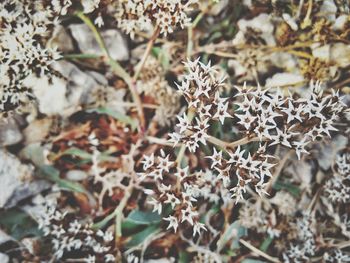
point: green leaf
(214, 36)
(156, 51)
(143, 218)
(77, 152)
(116, 115)
(81, 56)
(216, 130)
(266, 243)
(249, 260)
(18, 224)
(184, 257)
(294, 190)
(130, 227)
(142, 236)
(230, 253)
(162, 56)
(34, 153)
(236, 231)
(104, 222)
(52, 174)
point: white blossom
(173, 223)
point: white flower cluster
(336, 256)
(260, 114)
(140, 15)
(307, 247)
(288, 121)
(201, 89)
(244, 168)
(177, 188)
(338, 187)
(269, 117)
(68, 235)
(90, 5)
(24, 27)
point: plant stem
(94, 30)
(159, 141)
(150, 44)
(190, 34)
(190, 115)
(117, 69)
(278, 170)
(81, 56)
(119, 210)
(230, 145)
(307, 22)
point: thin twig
(150, 44)
(216, 257)
(313, 202)
(307, 21)
(342, 245)
(258, 251)
(160, 141)
(133, 104)
(300, 54)
(154, 236)
(300, 8)
(244, 140)
(231, 145)
(117, 210)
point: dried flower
(137, 15)
(153, 83)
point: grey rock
(115, 42)
(27, 190)
(4, 258)
(9, 133)
(13, 175)
(4, 238)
